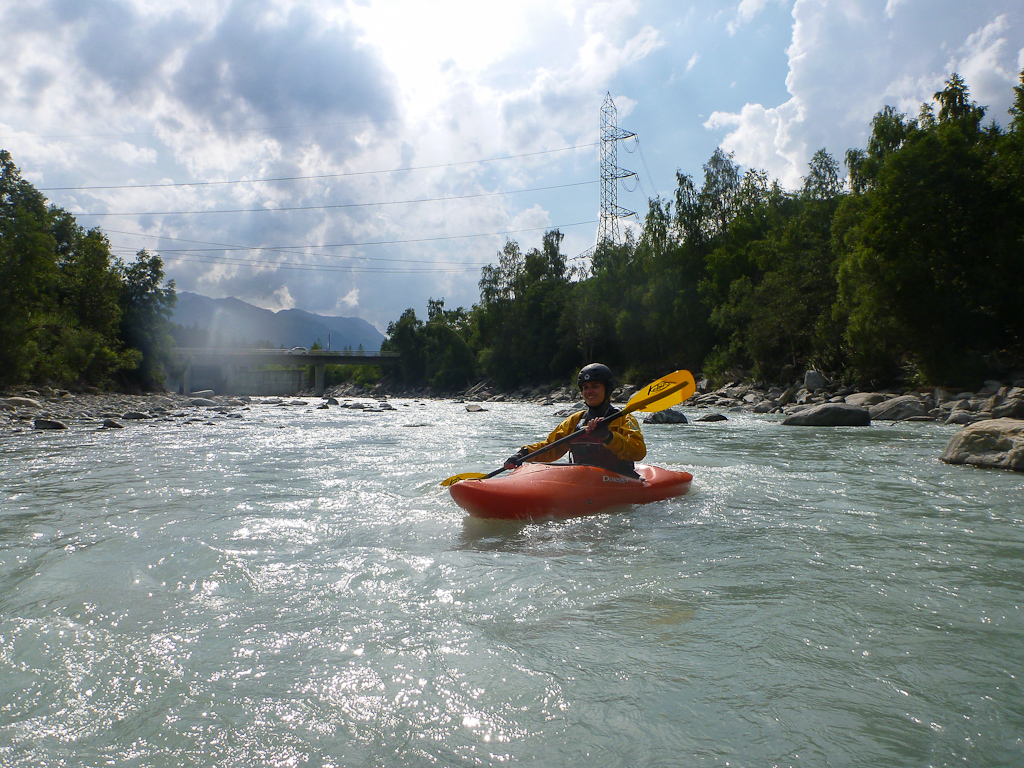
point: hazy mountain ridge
(232, 321)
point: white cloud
(127, 91)
(982, 62)
(745, 13)
(132, 154)
(349, 301)
(849, 59)
(281, 299)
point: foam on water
(296, 589)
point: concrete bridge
(237, 366)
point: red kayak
(565, 490)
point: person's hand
(515, 459)
(599, 430)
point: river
(294, 588)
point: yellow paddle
(657, 396)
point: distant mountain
(227, 322)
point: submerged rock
(995, 443)
(830, 415)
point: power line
(325, 267)
(186, 252)
(263, 129)
(340, 205)
(314, 177)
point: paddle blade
(661, 394)
(464, 476)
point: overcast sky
(357, 158)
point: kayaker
(615, 446)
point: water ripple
(296, 589)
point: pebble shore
(28, 409)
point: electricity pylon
(611, 135)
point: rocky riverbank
(814, 402)
(993, 414)
(992, 400)
(44, 408)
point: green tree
(28, 275)
(405, 337)
(929, 250)
(146, 307)
(89, 291)
(522, 303)
(771, 284)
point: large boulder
(49, 424)
(814, 380)
(996, 443)
(22, 402)
(712, 417)
(899, 408)
(964, 417)
(668, 416)
(830, 415)
(865, 399)
(1007, 408)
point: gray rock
(814, 380)
(995, 443)
(135, 416)
(865, 399)
(899, 408)
(712, 417)
(788, 396)
(668, 416)
(990, 388)
(1009, 409)
(958, 405)
(964, 417)
(202, 393)
(49, 424)
(474, 408)
(112, 424)
(830, 415)
(23, 402)
(202, 402)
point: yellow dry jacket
(626, 444)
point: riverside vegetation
(905, 276)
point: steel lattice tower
(608, 227)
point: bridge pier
(318, 378)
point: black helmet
(596, 372)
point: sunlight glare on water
(295, 588)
